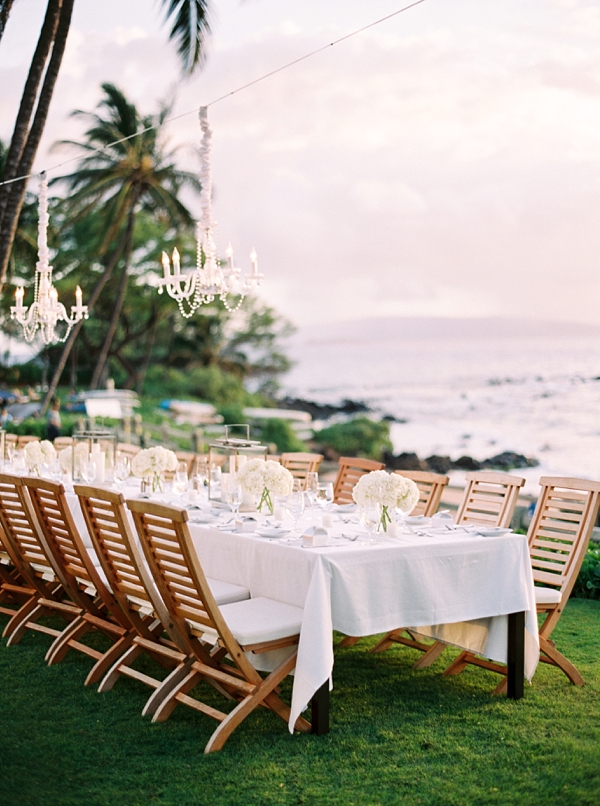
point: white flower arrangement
(65, 457)
(265, 478)
(37, 454)
(152, 463)
(386, 490)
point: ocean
(465, 387)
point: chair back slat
(22, 533)
(431, 486)
(180, 580)
(560, 530)
(349, 471)
(113, 539)
(73, 564)
(490, 498)
(301, 464)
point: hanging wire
(227, 94)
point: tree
(122, 179)
(189, 27)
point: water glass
(122, 469)
(370, 518)
(88, 470)
(312, 481)
(295, 506)
(180, 480)
(235, 495)
(324, 494)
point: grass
(398, 737)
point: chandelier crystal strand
(46, 311)
(210, 279)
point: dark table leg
(320, 710)
(516, 655)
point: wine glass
(235, 495)
(122, 469)
(312, 481)
(295, 506)
(324, 495)
(370, 517)
(180, 479)
(88, 470)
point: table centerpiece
(265, 479)
(151, 464)
(388, 491)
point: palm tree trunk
(112, 328)
(76, 328)
(14, 201)
(5, 6)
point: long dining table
(460, 587)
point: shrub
(587, 585)
(358, 437)
(280, 433)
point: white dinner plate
(493, 531)
(201, 517)
(345, 507)
(418, 520)
(272, 531)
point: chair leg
(235, 717)
(62, 644)
(114, 673)
(556, 658)
(385, 643)
(459, 665)
(169, 701)
(22, 615)
(166, 687)
(430, 655)
(348, 640)
(107, 660)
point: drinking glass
(180, 480)
(324, 495)
(88, 470)
(370, 517)
(235, 495)
(56, 471)
(312, 481)
(295, 506)
(122, 469)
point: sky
(443, 163)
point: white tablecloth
(463, 584)
(363, 590)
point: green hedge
(587, 585)
(358, 437)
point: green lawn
(397, 736)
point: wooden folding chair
(125, 570)
(81, 580)
(62, 442)
(10, 441)
(252, 626)
(127, 449)
(431, 486)
(349, 472)
(558, 538)
(23, 440)
(490, 499)
(28, 555)
(189, 457)
(301, 464)
(13, 587)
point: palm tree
(122, 180)
(189, 28)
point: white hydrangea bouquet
(387, 490)
(152, 464)
(265, 479)
(37, 454)
(65, 457)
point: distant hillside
(403, 328)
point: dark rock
(389, 418)
(323, 411)
(404, 461)
(509, 460)
(467, 463)
(438, 464)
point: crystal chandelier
(46, 311)
(209, 279)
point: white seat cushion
(257, 620)
(547, 595)
(227, 592)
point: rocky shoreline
(507, 460)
